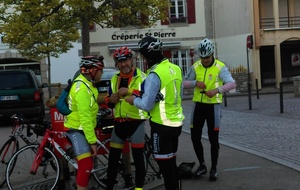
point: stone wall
(241, 80)
(296, 86)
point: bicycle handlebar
(103, 112)
(39, 127)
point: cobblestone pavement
(263, 130)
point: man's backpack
(61, 103)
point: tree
(33, 30)
(45, 28)
(68, 13)
(116, 13)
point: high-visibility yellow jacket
(210, 76)
(82, 100)
(123, 109)
(168, 111)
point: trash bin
(296, 82)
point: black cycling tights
(165, 145)
(169, 171)
(114, 157)
(205, 113)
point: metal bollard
(281, 97)
(225, 99)
(249, 95)
(257, 93)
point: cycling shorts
(79, 142)
(133, 131)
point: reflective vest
(168, 111)
(83, 103)
(123, 109)
(210, 76)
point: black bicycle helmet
(151, 49)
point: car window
(15, 81)
(108, 74)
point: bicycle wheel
(100, 173)
(18, 174)
(7, 150)
(100, 167)
(149, 156)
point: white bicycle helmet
(88, 63)
(205, 48)
(91, 61)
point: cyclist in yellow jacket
(82, 101)
(210, 78)
(162, 99)
(129, 120)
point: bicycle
(148, 148)
(29, 166)
(12, 144)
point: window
(16, 81)
(178, 57)
(181, 11)
(182, 59)
(137, 20)
(177, 11)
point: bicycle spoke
(149, 156)
(6, 152)
(18, 173)
(100, 174)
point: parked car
(108, 73)
(21, 93)
(103, 86)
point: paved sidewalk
(259, 147)
(238, 170)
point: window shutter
(92, 26)
(167, 53)
(115, 20)
(144, 19)
(191, 11)
(165, 22)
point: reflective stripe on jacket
(168, 111)
(83, 103)
(210, 76)
(123, 109)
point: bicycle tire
(100, 174)
(145, 157)
(18, 174)
(100, 166)
(6, 152)
(149, 156)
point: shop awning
(134, 46)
